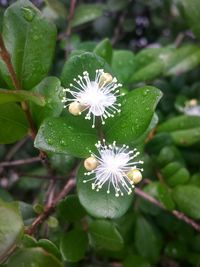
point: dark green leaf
(104, 50)
(104, 235)
(66, 135)
(33, 257)
(49, 247)
(184, 130)
(85, 13)
(76, 65)
(187, 198)
(20, 95)
(14, 123)
(70, 209)
(11, 227)
(147, 240)
(136, 260)
(73, 245)
(137, 110)
(123, 64)
(51, 89)
(23, 32)
(100, 204)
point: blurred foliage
(153, 48)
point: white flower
(191, 108)
(98, 96)
(113, 168)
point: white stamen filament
(114, 164)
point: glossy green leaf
(11, 227)
(70, 209)
(14, 123)
(51, 89)
(23, 32)
(104, 235)
(76, 65)
(123, 64)
(187, 198)
(184, 130)
(137, 109)
(66, 135)
(104, 50)
(147, 239)
(85, 13)
(73, 245)
(100, 204)
(7, 96)
(191, 10)
(33, 257)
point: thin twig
(50, 209)
(67, 32)
(176, 213)
(19, 162)
(15, 148)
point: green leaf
(191, 10)
(76, 65)
(31, 53)
(164, 196)
(104, 50)
(137, 109)
(14, 123)
(66, 135)
(49, 247)
(51, 89)
(70, 209)
(100, 204)
(123, 64)
(33, 257)
(175, 174)
(7, 96)
(11, 227)
(150, 63)
(183, 59)
(147, 239)
(73, 245)
(184, 130)
(136, 260)
(187, 198)
(104, 235)
(85, 13)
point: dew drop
(28, 13)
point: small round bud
(105, 79)
(192, 103)
(135, 176)
(76, 108)
(91, 163)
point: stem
(181, 216)
(51, 208)
(7, 60)
(100, 130)
(19, 162)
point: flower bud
(91, 163)
(135, 176)
(76, 108)
(105, 79)
(192, 103)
